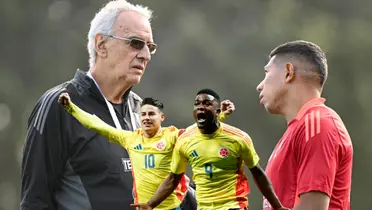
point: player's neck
(149, 133)
(210, 129)
(111, 88)
(295, 101)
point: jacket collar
(84, 80)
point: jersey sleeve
(222, 117)
(248, 152)
(173, 134)
(317, 154)
(96, 124)
(179, 160)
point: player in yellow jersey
(216, 152)
(150, 148)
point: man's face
(123, 61)
(206, 110)
(151, 118)
(273, 87)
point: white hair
(104, 21)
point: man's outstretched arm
(264, 185)
(93, 122)
(164, 190)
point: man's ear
(100, 45)
(162, 117)
(290, 72)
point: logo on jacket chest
(127, 164)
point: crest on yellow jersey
(160, 145)
(223, 152)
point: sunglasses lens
(137, 44)
(152, 48)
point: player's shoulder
(321, 123)
(171, 132)
(138, 132)
(48, 101)
(170, 128)
(47, 106)
(188, 132)
(185, 136)
(234, 131)
(320, 116)
(52, 94)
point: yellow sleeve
(248, 152)
(222, 117)
(173, 134)
(94, 123)
(182, 130)
(179, 161)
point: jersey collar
(308, 105)
(212, 135)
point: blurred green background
(220, 44)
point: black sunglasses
(137, 43)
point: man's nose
(200, 107)
(146, 117)
(144, 54)
(259, 87)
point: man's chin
(134, 79)
(200, 125)
(145, 128)
(271, 110)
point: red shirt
(314, 154)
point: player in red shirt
(310, 167)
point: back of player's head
(306, 52)
(209, 92)
(152, 102)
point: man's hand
(141, 206)
(227, 107)
(64, 100)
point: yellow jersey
(217, 164)
(150, 157)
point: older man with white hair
(66, 166)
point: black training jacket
(68, 167)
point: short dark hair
(152, 102)
(307, 51)
(209, 92)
